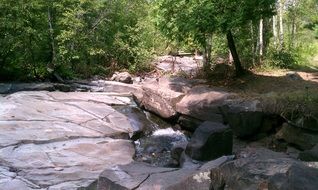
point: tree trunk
(51, 65)
(275, 30)
(253, 44)
(281, 24)
(293, 28)
(207, 52)
(261, 40)
(237, 63)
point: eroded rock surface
(55, 140)
(142, 176)
(264, 169)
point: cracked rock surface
(55, 140)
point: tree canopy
(82, 38)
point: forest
(84, 38)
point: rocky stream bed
(170, 133)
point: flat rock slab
(142, 176)
(55, 140)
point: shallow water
(158, 138)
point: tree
(69, 37)
(198, 18)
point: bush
(281, 59)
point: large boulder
(264, 169)
(123, 77)
(210, 141)
(160, 97)
(203, 103)
(247, 119)
(302, 138)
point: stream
(158, 138)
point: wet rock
(16, 87)
(176, 153)
(189, 123)
(5, 88)
(263, 169)
(140, 123)
(123, 77)
(156, 148)
(297, 136)
(210, 141)
(309, 155)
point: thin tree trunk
(261, 40)
(275, 30)
(281, 24)
(51, 65)
(293, 29)
(237, 63)
(253, 44)
(207, 52)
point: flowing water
(154, 145)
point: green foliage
(281, 59)
(73, 37)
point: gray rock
(244, 117)
(210, 141)
(309, 155)
(173, 64)
(128, 177)
(263, 169)
(308, 122)
(294, 76)
(245, 124)
(142, 176)
(189, 123)
(123, 77)
(61, 140)
(16, 87)
(203, 103)
(302, 138)
(176, 153)
(297, 177)
(5, 88)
